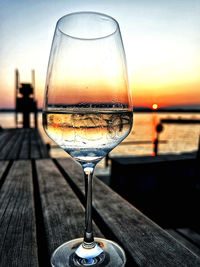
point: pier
(180, 121)
(42, 203)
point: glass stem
(88, 235)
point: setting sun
(155, 106)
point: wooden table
(19, 143)
(41, 206)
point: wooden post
(159, 129)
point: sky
(161, 40)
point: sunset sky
(161, 40)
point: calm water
(179, 138)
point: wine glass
(87, 112)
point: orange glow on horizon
(93, 94)
(166, 95)
(143, 96)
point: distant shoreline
(3, 110)
(136, 109)
(167, 110)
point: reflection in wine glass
(87, 112)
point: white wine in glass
(87, 112)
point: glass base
(111, 254)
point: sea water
(178, 138)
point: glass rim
(88, 12)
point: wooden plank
(22, 144)
(184, 241)
(190, 234)
(43, 149)
(34, 148)
(15, 149)
(25, 148)
(62, 211)
(18, 234)
(4, 136)
(38, 148)
(146, 242)
(9, 142)
(3, 166)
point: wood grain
(3, 166)
(63, 213)
(190, 245)
(16, 147)
(34, 146)
(190, 234)
(42, 147)
(18, 245)
(9, 140)
(148, 244)
(22, 144)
